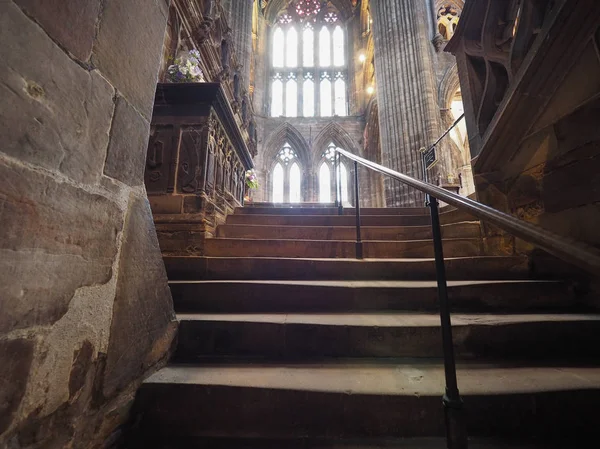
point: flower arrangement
(251, 179)
(186, 68)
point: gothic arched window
(286, 177)
(308, 61)
(327, 176)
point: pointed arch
(333, 132)
(286, 133)
(448, 86)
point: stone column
(239, 17)
(408, 111)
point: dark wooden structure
(196, 164)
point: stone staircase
(286, 340)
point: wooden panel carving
(191, 159)
(159, 175)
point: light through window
(327, 177)
(286, 177)
(344, 183)
(324, 47)
(295, 183)
(278, 182)
(291, 98)
(278, 47)
(309, 48)
(309, 98)
(308, 42)
(291, 49)
(324, 183)
(325, 98)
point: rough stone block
(54, 239)
(143, 324)
(53, 113)
(574, 185)
(128, 48)
(126, 156)
(70, 22)
(15, 360)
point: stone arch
(448, 87)
(332, 132)
(287, 133)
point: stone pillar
(240, 21)
(406, 92)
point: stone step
(458, 230)
(328, 220)
(384, 335)
(353, 296)
(251, 268)
(401, 398)
(178, 442)
(225, 247)
(303, 210)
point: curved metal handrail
(577, 253)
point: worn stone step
(355, 400)
(225, 247)
(459, 269)
(322, 335)
(328, 220)
(179, 442)
(348, 296)
(303, 210)
(458, 230)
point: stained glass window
(306, 9)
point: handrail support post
(359, 245)
(456, 434)
(338, 183)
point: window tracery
(308, 62)
(327, 176)
(286, 176)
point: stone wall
(86, 310)
(552, 177)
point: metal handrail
(577, 253)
